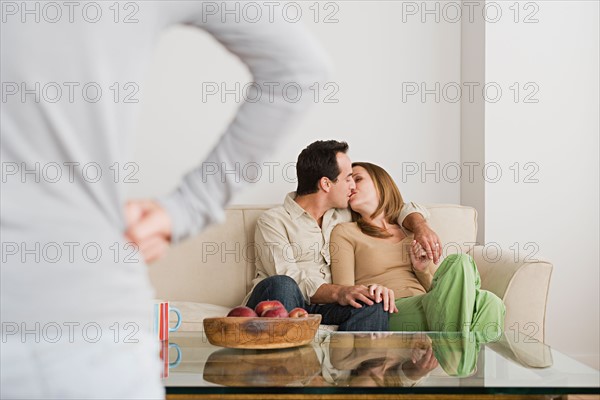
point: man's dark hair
(316, 161)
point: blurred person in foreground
(75, 297)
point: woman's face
(364, 198)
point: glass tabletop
(384, 362)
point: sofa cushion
(217, 266)
(192, 314)
(455, 225)
(208, 268)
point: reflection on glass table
(285, 367)
(386, 362)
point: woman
(376, 252)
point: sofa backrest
(217, 266)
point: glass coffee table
(371, 365)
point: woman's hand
(381, 293)
(418, 256)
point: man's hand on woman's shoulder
(418, 256)
(424, 235)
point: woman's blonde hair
(390, 200)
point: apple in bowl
(278, 312)
(242, 311)
(268, 309)
(267, 305)
(298, 313)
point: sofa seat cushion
(193, 314)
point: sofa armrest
(522, 285)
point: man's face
(342, 188)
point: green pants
(455, 303)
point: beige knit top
(359, 259)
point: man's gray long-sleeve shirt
(66, 130)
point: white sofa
(212, 272)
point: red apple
(298, 313)
(242, 311)
(267, 305)
(278, 312)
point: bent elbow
(316, 67)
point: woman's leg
(447, 306)
(455, 301)
(450, 302)
(410, 316)
(488, 317)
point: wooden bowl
(261, 333)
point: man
(292, 244)
(75, 302)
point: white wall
(559, 213)
(372, 53)
(472, 113)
